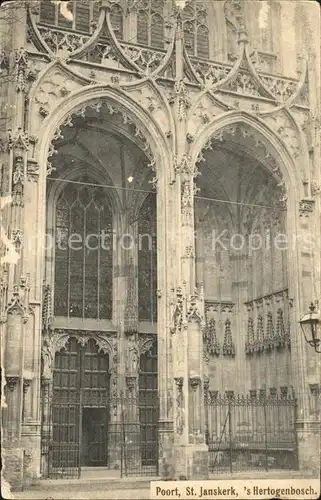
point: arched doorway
(80, 409)
(149, 409)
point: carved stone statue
(133, 359)
(47, 360)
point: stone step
(95, 482)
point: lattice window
(266, 36)
(195, 25)
(78, 15)
(147, 261)
(48, 12)
(116, 19)
(83, 254)
(150, 23)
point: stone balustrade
(210, 73)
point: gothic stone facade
(174, 107)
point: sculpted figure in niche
(133, 359)
(47, 359)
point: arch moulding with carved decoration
(283, 157)
(123, 103)
(291, 180)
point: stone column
(186, 305)
(130, 410)
(24, 400)
(117, 362)
(303, 221)
(190, 450)
(16, 315)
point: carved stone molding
(11, 381)
(187, 207)
(210, 341)
(206, 384)
(58, 339)
(276, 334)
(186, 308)
(222, 306)
(315, 188)
(185, 166)
(250, 338)
(17, 237)
(189, 252)
(3, 297)
(195, 382)
(131, 382)
(47, 315)
(123, 119)
(181, 97)
(24, 74)
(32, 171)
(180, 414)
(131, 310)
(19, 303)
(228, 344)
(18, 141)
(179, 381)
(18, 144)
(306, 207)
(136, 346)
(26, 384)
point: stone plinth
(309, 450)
(12, 456)
(165, 450)
(191, 461)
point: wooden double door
(80, 407)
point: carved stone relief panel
(150, 99)
(53, 88)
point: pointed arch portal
(80, 408)
(89, 418)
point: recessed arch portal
(241, 210)
(265, 142)
(100, 175)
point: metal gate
(248, 433)
(85, 426)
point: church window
(150, 23)
(79, 15)
(83, 253)
(195, 25)
(147, 276)
(116, 20)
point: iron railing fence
(249, 433)
(116, 433)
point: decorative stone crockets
(179, 403)
(19, 302)
(23, 73)
(228, 344)
(18, 145)
(211, 344)
(131, 310)
(306, 207)
(271, 332)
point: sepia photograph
(160, 249)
